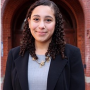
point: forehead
(43, 10)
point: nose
(42, 25)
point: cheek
(33, 26)
(51, 28)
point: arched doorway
(18, 20)
(13, 10)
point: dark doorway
(18, 21)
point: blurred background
(76, 15)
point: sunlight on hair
(0, 44)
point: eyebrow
(36, 15)
(45, 16)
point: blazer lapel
(22, 66)
(55, 70)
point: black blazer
(64, 74)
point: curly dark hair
(57, 44)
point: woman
(44, 61)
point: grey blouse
(37, 76)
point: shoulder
(12, 55)
(73, 54)
(15, 51)
(70, 49)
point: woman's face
(42, 23)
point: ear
(28, 19)
(29, 22)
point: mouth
(41, 33)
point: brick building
(76, 14)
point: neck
(41, 47)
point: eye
(48, 20)
(36, 19)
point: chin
(41, 41)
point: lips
(41, 33)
